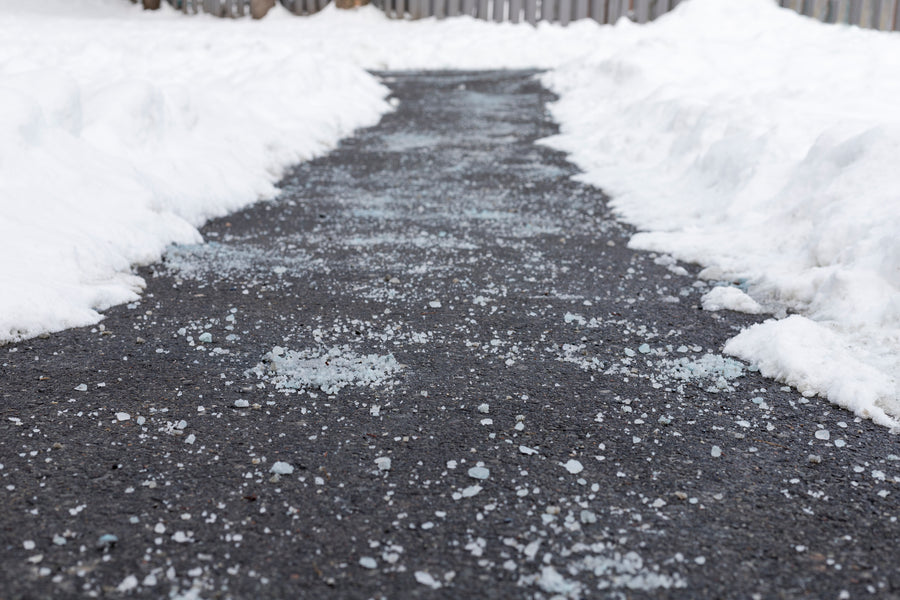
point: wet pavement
(431, 368)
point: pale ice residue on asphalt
(327, 370)
(217, 260)
(712, 370)
(611, 568)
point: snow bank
(762, 145)
(121, 135)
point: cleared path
(430, 369)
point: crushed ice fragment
(471, 491)
(644, 349)
(715, 452)
(282, 468)
(81, 387)
(484, 408)
(106, 541)
(367, 562)
(383, 463)
(588, 517)
(573, 466)
(479, 473)
(205, 337)
(240, 403)
(527, 451)
(427, 580)
(127, 584)
(180, 537)
(122, 416)
(823, 434)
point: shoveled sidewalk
(431, 368)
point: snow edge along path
(107, 157)
(761, 150)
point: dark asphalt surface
(506, 326)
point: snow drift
(760, 144)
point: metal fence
(877, 14)
(239, 8)
(874, 14)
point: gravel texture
(431, 368)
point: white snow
(730, 298)
(760, 144)
(744, 137)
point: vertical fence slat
(661, 8)
(642, 11)
(564, 8)
(547, 10)
(515, 11)
(531, 11)
(499, 10)
(452, 8)
(855, 12)
(598, 11)
(614, 11)
(483, 9)
(468, 7)
(581, 9)
(877, 8)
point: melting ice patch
(712, 369)
(329, 371)
(216, 260)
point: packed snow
(733, 134)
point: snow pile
(120, 134)
(329, 371)
(760, 144)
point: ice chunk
(730, 298)
(573, 466)
(282, 468)
(479, 473)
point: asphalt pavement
(431, 368)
